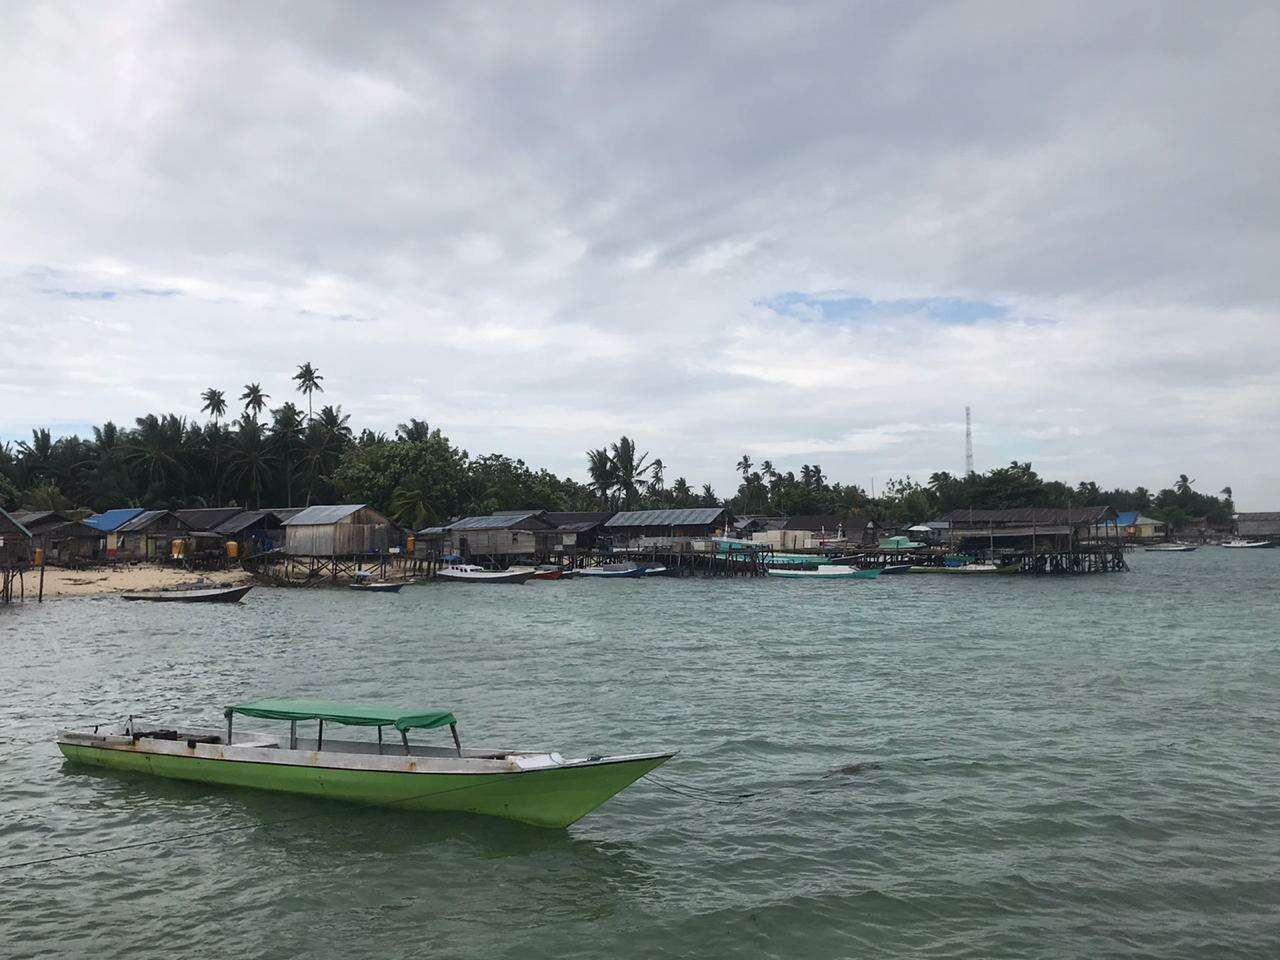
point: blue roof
(1127, 519)
(110, 520)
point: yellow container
(38, 556)
(233, 549)
(408, 544)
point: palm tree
(286, 433)
(656, 470)
(254, 399)
(1226, 492)
(415, 431)
(214, 403)
(252, 459)
(308, 378)
(1183, 486)
(709, 498)
(628, 469)
(681, 493)
(744, 466)
(600, 467)
(155, 447)
(766, 467)
(36, 459)
(327, 438)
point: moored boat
(1242, 544)
(200, 595)
(377, 586)
(539, 788)
(470, 573)
(611, 571)
(1171, 548)
(548, 571)
(829, 571)
(896, 568)
(965, 568)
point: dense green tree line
(291, 457)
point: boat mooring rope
(693, 792)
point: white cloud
(542, 227)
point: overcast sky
(805, 232)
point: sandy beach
(107, 580)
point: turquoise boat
(539, 788)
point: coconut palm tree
(628, 469)
(766, 468)
(681, 493)
(254, 399)
(744, 466)
(656, 470)
(308, 378)
(600, 468)
(1183, 486)
(252, 460)
(215, 403)
(156, 447)
(414, 431)
(286, 434)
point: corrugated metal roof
(498, 521)
(323, 513)
(665, 518)
(145, 519)
(110, 520)
(10, 517)
(208, 518)
(32, 518)
(1266, 515)
(248, 518)
(1021, 516)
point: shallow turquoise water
(1066, 768)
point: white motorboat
(611, 571)
(1241, 544)
(470, 573)
(1171, 548)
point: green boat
(543, 789)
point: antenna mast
(968, 443)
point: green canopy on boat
(350, 714)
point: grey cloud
(580, 196)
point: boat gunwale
(388, 763)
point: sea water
(912, 766)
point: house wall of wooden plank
(15, 542)
(338, 530)
(150, 535)
(62, 539)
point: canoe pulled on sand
(206, 595)
(539, 788)
(829, 571)
(470, 573)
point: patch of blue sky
(842, 308)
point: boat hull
(551, 797)
(448, 576)
(826, 573)
(213, 595)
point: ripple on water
(1009, 768)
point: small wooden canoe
(211, 595)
